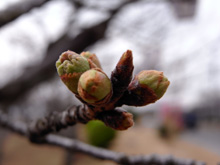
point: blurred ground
(138, 140)
(18, 150)
(208, 137)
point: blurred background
(179, 37)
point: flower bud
(70, 66)
(147, 87)
(94, 86)
(155, 80)
(122, 74)
(92, 57)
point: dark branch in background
(36, 74)
(75, 145)
(14, 11)
(17, 88)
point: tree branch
(59, 120)
(78, 114)
(75, 145)
(16, 10)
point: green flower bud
(70, 66)
(147, 87)
(92, 57)
(154, 80)
(94, 86)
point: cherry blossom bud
(147, 87)
(70, 66)
(92, 57)
(94, 86)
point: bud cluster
(82, 74)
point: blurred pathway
(206, 137)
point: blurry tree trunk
(69, 157)
(3, 134)
(14, 11)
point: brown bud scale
(117, 119)
(71, 81)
